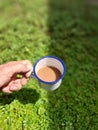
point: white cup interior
(49, 61)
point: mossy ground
(69, 30)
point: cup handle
(32, 75)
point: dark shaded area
(73, 34)
(24, 96)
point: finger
(6, 89)
(20, 66)
(28, 74)
(27, 63)
(15, 85)
(24, 81)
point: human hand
(8, 75)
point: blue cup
(52, 61)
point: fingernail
(28, 74)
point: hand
(8, 75)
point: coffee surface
(49, 73)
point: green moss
(32, 29)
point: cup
(52, 61)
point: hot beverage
(49, 73)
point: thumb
(20, 66)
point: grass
(69, 30)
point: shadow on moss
(72, 38)
(24, 96)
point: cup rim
(54, 57)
